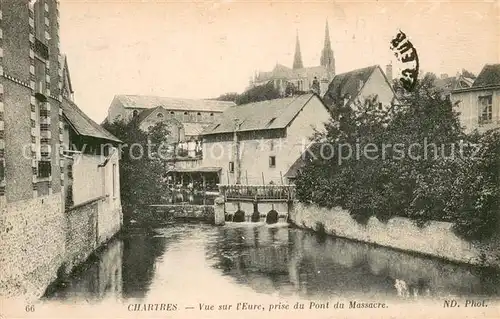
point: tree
(259, 93)
(141, 170)
(441, 180)
(231, 97)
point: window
(2, 170)
(134, 113)
(380, 106)
(44, 169)
(40, 76)
(186, 117)
(485, 109)
(198, 117)
(231, 167)
(159, 115)
(172, 114)
(39, 10)
(272, 161)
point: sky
(201, 49)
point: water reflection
(270, 260)
(325, 267)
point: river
(250, 261)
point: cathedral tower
(297, 59)
(327, 58)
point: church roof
(84, 125)
(282, 72)
(145, 101)
(347, 85)
(264, 115)
(489, 76)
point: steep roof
(145, 101)
(84, 125)
(347, 84)
(270, 114)
(66, 74)
(489, 76)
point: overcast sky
(203, 49)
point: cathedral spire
(297, 59)
(327, 58)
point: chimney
(444, 76)
(388, 72)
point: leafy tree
(231, 97)
(141, 170)
(259, 93)
(439, 181)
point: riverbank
(436, 239)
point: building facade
(31, 182)
(479, 104)
(257, 143)
(185, 118)
(40, 238)
(356, 86)
(300, 78)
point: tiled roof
(145, 101)
(84, 125)
(193, 129)
(489, 76)
(270, 114)
(347, 85)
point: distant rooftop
(146, 102)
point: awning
(196, 170)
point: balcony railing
(258, 192)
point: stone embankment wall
(32, 245)
(40, 241)
(436, 239)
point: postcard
(249, 159)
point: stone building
(479, 104)
(257, 143)
(300, 77)
(357, 85)
(31, 181)
(185, 118)
(39, 239)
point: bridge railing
(257, 192)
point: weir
(253, 203)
